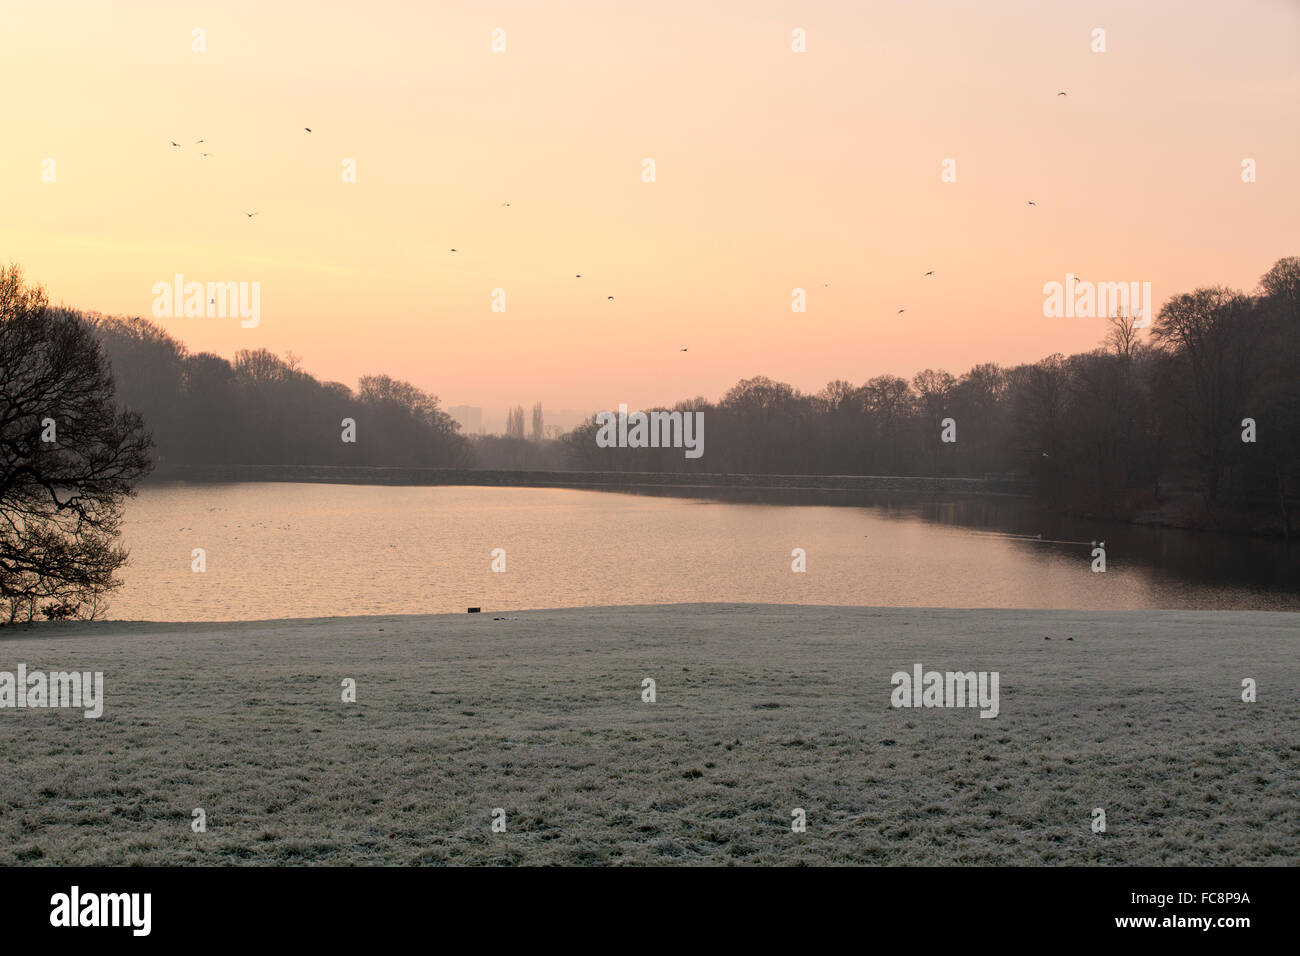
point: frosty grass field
(759, 710)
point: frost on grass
(757, 710)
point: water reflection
(308, 550)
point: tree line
(1147, 417)
(262, 409)
(1202, 409)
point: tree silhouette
(1138, 424)
(69, 457)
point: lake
(314, 550)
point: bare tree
(934, 390)
(1039, 393)
(1121, 334)
(69, 456)
(515, 422)
(1282, 283)
(1215, 334)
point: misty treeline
(261, 409)
(515, 423)
(1148, 414)
(512, 451)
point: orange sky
(775, 170)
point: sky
(773, 170)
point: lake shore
(759, 710)
(1185, 511)
(702, 482)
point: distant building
(469, 417)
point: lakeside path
(760, 709)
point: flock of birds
(250, 215)
(609, 298)
(196, 143)
(1029, 201)
(202, 155)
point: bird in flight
(610, 297)
(176, 144)
(505, 204)
(685, 350)
(930, 273)
(1031, 202)
(307, 128)
(205, 155)
(578, 276)
(250, 215)
(197, 141)
(901, 311)
(1062, 93)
